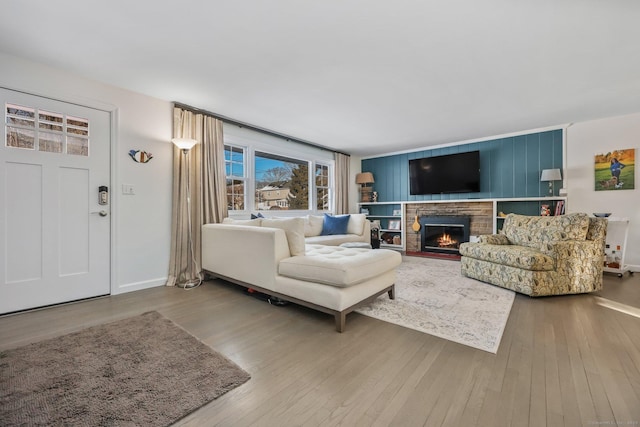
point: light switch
(128, 189)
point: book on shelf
(559, 207)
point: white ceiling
(361, 76)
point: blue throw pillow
(259, 215)
(334, 224)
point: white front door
(54, 234)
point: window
(236, 179)
(281, 182)
(322, 187)
(34, 129)
(265, 172)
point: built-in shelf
(383, 211)
(615, 249)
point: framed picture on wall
(394, 224)
(615, 170)
(397, 212)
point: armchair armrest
(494, 239)
(580, 261)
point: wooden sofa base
(340, 316)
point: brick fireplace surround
(480, 213)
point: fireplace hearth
(443, 234)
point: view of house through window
(277, 182)
(322, 187)
(236, 179)
(281, 182)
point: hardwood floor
(563, 361)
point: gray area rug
(144, 370)
(433, 297)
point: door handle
(101, 213)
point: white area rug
(433, 297)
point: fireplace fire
(444, 234)
(445, 241)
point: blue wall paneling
(509, 167)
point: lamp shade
(550, 175)
(364, 178)
(184, 143)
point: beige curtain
(342, 162)
(199, 188)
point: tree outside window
(236, 180)
(282, 183)
(322, 187)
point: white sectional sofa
(273, 258)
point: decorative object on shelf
(550, 175)
(545, 211)
(139, 156)
(387, 238)
(397, 240)
(397, 212)
(416, 225)
(364, 211)
(394, 224)
(375, 235)
(601, 214)
(559, 208)
(615, 170)
(374, 196)
(365, 178)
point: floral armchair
(538, 255)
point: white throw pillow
(293, 228)
(253, 222)
(356, 224)
(313, 225)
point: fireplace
(443, 234)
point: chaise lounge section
(273, 258)
(540, 255)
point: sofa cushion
(337, 224)
(513, 255)
(338, 266)
(536, 231)
(257, 222)
(294, 230)
(333, 240)
(356, 224)
(313, 225)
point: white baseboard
(137, 286)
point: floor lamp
(186, 144)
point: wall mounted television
(450, 173)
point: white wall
(142, 222)
(586, 139)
